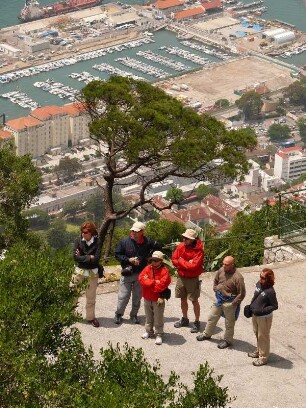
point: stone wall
(277, 251)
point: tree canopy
(296, 92)
(19, 185)
(278, 132)
(146, 136)
(250, 103)
(175, 195)
(203, 190)
(67, 167)
(302, 128)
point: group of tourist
(144, 274)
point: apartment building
(49, 127)
(29, 134)
(290, 163)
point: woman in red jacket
(154, 279)
(188, 259)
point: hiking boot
(255, 354)
(183, 322)
(158, 340)
(195, 327)
(135, 319)
(118, 319)
(224, 344)
(202, 337)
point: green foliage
(222, 103)
(296, 92)
(302, 128)
(36, 302)
(94, 205)
(57, 235)
(175, 195)
(165, 231)
(250, 103)
(67, 167)
(19, 181)
(206, 393)
(37, 218)
(278, 132)
(203, 190)
(71, 208)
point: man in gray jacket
(229, 288)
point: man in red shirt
(188, 259)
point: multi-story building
(290, 163)
(48, 128)
(168, 7)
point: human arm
(165, 279)
(240, 286)
(120, 252)
(145, 277)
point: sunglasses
(86, 232)
(262, 278)
(156, 260)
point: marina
(79, 70)
(152, 56)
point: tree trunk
(108, 240)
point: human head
(267, 278)
(137, 230)
(229, 264)
(157, 258)
(189, 236)
(88, 229)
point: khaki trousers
(262, 327)
(154, 316)
(90, 293)
(215, 313)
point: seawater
(294, 13)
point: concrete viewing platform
(280, 384)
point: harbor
(154, 54)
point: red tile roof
(73, 108)
(5, 134)
(164, 4)
(189, 13)
(23, 123)
(211, 4)
(219, 206)
(46, 111)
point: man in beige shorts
(188, 259)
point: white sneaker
(158, 340)
(146, 336)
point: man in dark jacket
(132, 252)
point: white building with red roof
(290, 163)
(169, 6)
(47, 128)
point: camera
(127, 271)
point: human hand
(77, 252)
(160, 301)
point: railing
(292, 219)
